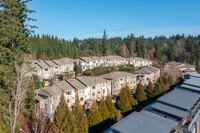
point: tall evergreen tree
(111, 107)
(30, 102)
(162, 84)
(158, 89)
(78, 68)
(140, 95)
(150, 89)
(14, 43)
(80, 117)
(130, 98)
(59, 115)
(123, 101)
(105, 49)
(94, 117)
(105, 114)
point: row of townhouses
(183, 67)
(50, 68)
(86, 88)
(176, 112)
(111, 61)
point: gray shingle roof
(76, 84)
(143, 71)
(67, 60)
(51, 63)
(91, 58)
(114, 75)
(186, 66)
(42, 64)
(64, 86)
(58, 62)
(49, 91)
(180, 98)
(91, 80)
(144, 122)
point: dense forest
(160, 49)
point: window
(46, 69)
(99, 92)
(104, 85)
(58, 97)
(93, 87)
(99, 86)
(81, 91)
(68, 100)
(68, 93)
(81, 99)
(121, 79)
(121, 84)
(56, 67)
(87, 62)
(54, 98)
(93, 94)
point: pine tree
(105, 50)
(94, 117)
(30, 102)
(162, 84)
(123, 101)
(130, 98)
(150, 89)
(80, 117)
(105, 114)
(111, 107)
(59, 114)
(158, 89)
(78, 68)
(14, 32)
(140, 95)
(69, 125)
(37, 83)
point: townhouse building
(85, 88)
(140, 62)
(185, 68)
(119, 80)
(42, 69)
(176, 111)
(147, 74)
(48, 98)
(50, 68)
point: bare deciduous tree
(21, 82)
(38, 125)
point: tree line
(160, 49)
